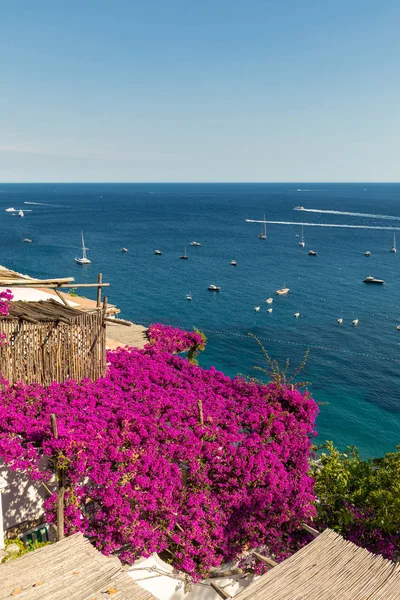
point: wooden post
(60, 476)
(59, 294)
(201, 417)
(99, 282)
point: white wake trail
(349, 214)
(325, 225)
(44, 204)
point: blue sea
(353, 371)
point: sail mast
(83, 247)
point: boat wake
(42, 204)
(325, 225)
(349, 214)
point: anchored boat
(371, 279)
(84, 259)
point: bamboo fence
(46, 341)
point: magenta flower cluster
(5, 298)
(164, 456)
(173, 340)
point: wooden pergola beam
(314, 532)
(268, 561)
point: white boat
(27, 240)
(20, 213)
(394, 249)
(368, 253)
(312, 253)
(297, 315)
(11, 210)
(233, 263)
(355, 322)
(302, 242)
(158, 252)
(124, 249)
(184, 255)
(398, 327)
(269, 300)
(283, 291)
(371, 279)
(340, 320)
(214, 288)
(299, 207)
(195, 244)
(189, 296)
(269, 310)
(257, 308)
(84, 259)
(263, 234)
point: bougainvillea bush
(164, 456)
(360, 499)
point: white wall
(22, 499)
(165, 583)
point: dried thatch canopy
(70, 569)
(329, 568)
(43, 311)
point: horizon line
(199, 182)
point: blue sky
(180, 90)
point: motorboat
(21, 213)
(297, 314)
(124, 249)
(269, 310)
(312, 253)
(371, 279)
(283, 291)
(184, 255)
(84, 259)
(269, 300)
(394, 249)
(340, 320)
(302, 242)
(263, 234)
(233, 263)
(158, 252)
(299, 208)
(195, 244)
(189, 296)
(368, 253)
(11, 209)
(355, 322)
(27, 240)
(214, 288)
(398, 327)
(257, 308)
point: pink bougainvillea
(164, 456)
(5, 298)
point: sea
(352, 371)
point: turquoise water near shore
(353, 369)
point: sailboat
(263, 234)
(84, 259)
(394, 249)
(184, 255)
(302, 242)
